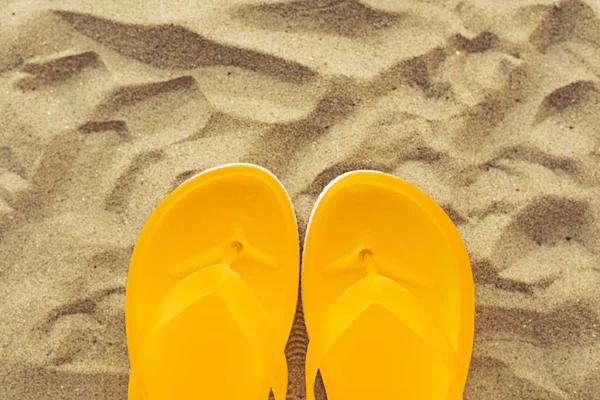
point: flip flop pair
(387, 291)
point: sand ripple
(491, 107)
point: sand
(491, 107)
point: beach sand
(492, 108)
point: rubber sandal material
(212, 290)
(387, 292)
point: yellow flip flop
(387, 292)
(212, 290)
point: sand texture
(492, 107)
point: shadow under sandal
(212, 290)
(387, 292)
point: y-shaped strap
(245, 308)
(354, 301)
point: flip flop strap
(354, 301)
(245, 308)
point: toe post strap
(245, 308)
(375, 289)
